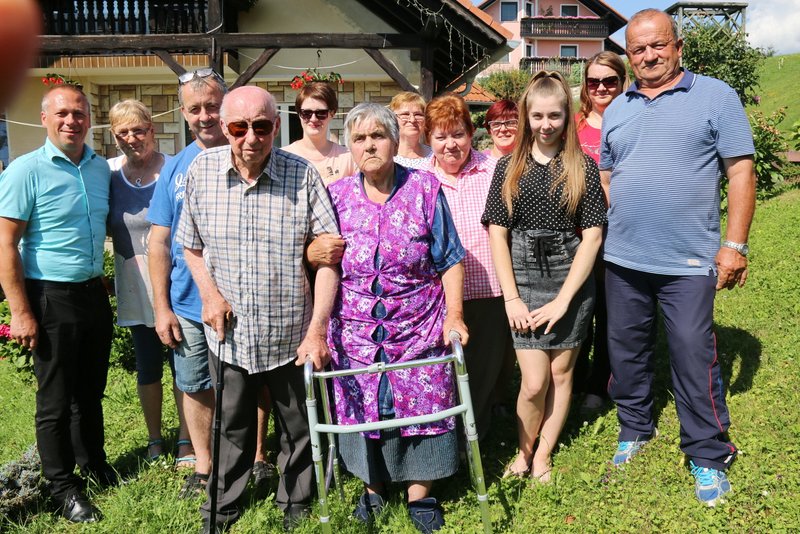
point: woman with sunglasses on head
(501, 123)
(539, 195)
(133, 180)
(316, 105)
(604, 78)
(409, 108)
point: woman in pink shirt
(604, 78)
(465, 175)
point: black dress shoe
(294, 515)
(77, 508)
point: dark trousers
(71, 366)
(238, 436)
(687, 306)
(489, 340)
(595, 381)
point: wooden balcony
(564, 28)
(123, 17)
(564, 65)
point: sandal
(543, 477)
(158, 442)
(194, 485)
(510, 473)
(187, 461)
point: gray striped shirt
(253, 238)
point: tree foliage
(711, 51)
(508, 84)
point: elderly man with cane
(249, 215)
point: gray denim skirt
(541, 260)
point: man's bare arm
(216, 309)
(605, 182)
(160, 267)
(24, 328)
(732, 266)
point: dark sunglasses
(609, 83)
(261, 128)
(321, 114)
(187, 77)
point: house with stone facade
(121, 49)
(554, 34)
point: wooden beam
(426, 76)
(65, 44)
(215, 56)
(214, 21)
(390, 69)
(176, 67)
(254, 67)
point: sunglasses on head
(321, 114)
(187, 77)
(261, 128)
(609, 82)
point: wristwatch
(741, 248)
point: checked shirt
(253, 238)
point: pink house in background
(554, 34)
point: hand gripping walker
(464, 408)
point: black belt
(50, 284)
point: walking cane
(214, 479)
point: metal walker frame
(464, 408)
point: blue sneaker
(627, 450)
(710, 485)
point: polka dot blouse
(536, 208)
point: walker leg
(319, 471)
(326, 410)
(473, 450)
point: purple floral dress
(387, 264)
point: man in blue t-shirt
(176, 300)
(53, 209)
(665, 144)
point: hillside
(779, 78)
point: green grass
(779, 75)
(758, 333)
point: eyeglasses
(609, 83)
(187, 77)
(639, 50)
(411, 117)
(510, 124)
(320, 114)
(138, 133)
(261, 128)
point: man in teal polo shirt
(53, 208)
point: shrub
(710, 50)
(794, 135)
(770, 147)
(507, 84)
(20, 357)
(21, 483)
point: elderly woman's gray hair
(370, 112)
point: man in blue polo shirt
(53, 208)
(176, 300)
(665, 145)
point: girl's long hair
(569, 166)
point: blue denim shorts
(191, 358)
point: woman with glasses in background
(133, 180)
(604, 78)
(501, 123)
(316, 105)
(409, 108)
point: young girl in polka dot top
(540, 194)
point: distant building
(554, 35)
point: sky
(770, 23)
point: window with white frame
(569, 51)
(529, 50)
(569, 10)
(508, 11)
(530, 10)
